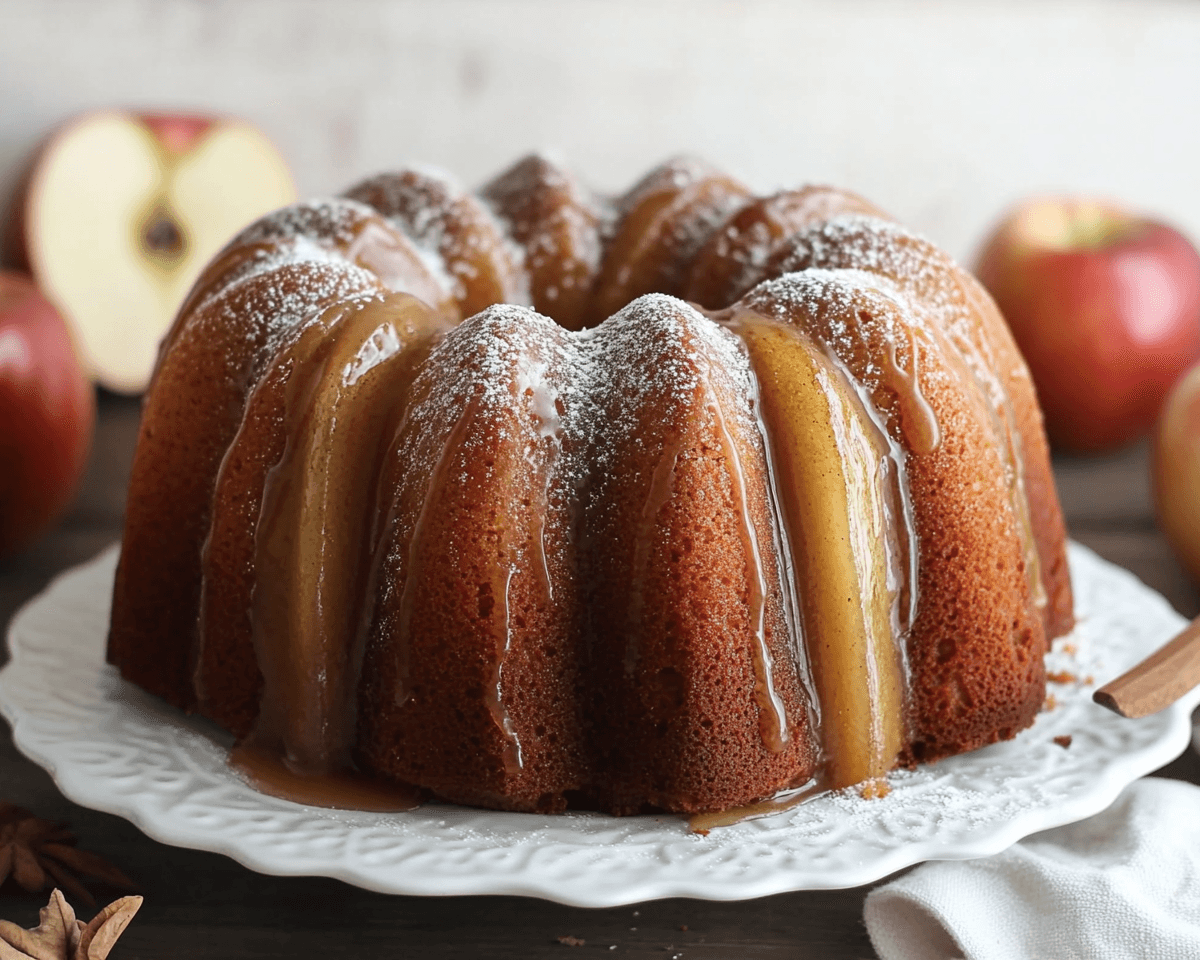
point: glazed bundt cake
(706, 497)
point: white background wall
(943, 112)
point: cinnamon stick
(1159, 680)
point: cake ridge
(823, 289)
(441, 218)
(976, 330)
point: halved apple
(120, 213)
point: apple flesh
(120, 213)
(1105, 305)
(47, 413)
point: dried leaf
(55, 938)
(97, 938)
(7, 950)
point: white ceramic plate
(111, 747)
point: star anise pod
(60, 936)
(37, 853)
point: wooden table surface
(202, 905)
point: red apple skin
(1175, 471)
(47, 413)
(1106, 328)
(177, 132)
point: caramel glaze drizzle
(878, 568)
(547, 418)
(974, 364)
(501, 580)
(533, 387)
(772, 717)
(340, 401)
(544, 413)
(921, 432)
(702, 823)
(393, 258)
(317, 742)
(980, 363)
(772, 714)
(493, 693)
(917, 419)
(344, 789)
(542, 402)
(373, 245)
(307, 706)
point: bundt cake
(767, 503)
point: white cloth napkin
(1123, 884)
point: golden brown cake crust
(971, 318)
(731, 261)
(619, 688)
(678, 557)
(663, 222)
(464, 639)
(455, 228)
(271, 279)
(557, 224)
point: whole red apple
(47, 412)
(1175, 471)
(1105, 305)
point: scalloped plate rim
(78, 785)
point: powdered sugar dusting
(268, 305)
(707, 197)
(515, 367)
(738, 256)
(659, 350)
(441, 219)
(931, 278)
(674, 174)
(882, 247)
(317, 231)
(860, 308)
(555, 223)
(335, 221)
(415, 202)
(748, 249)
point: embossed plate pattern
(111, 747)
